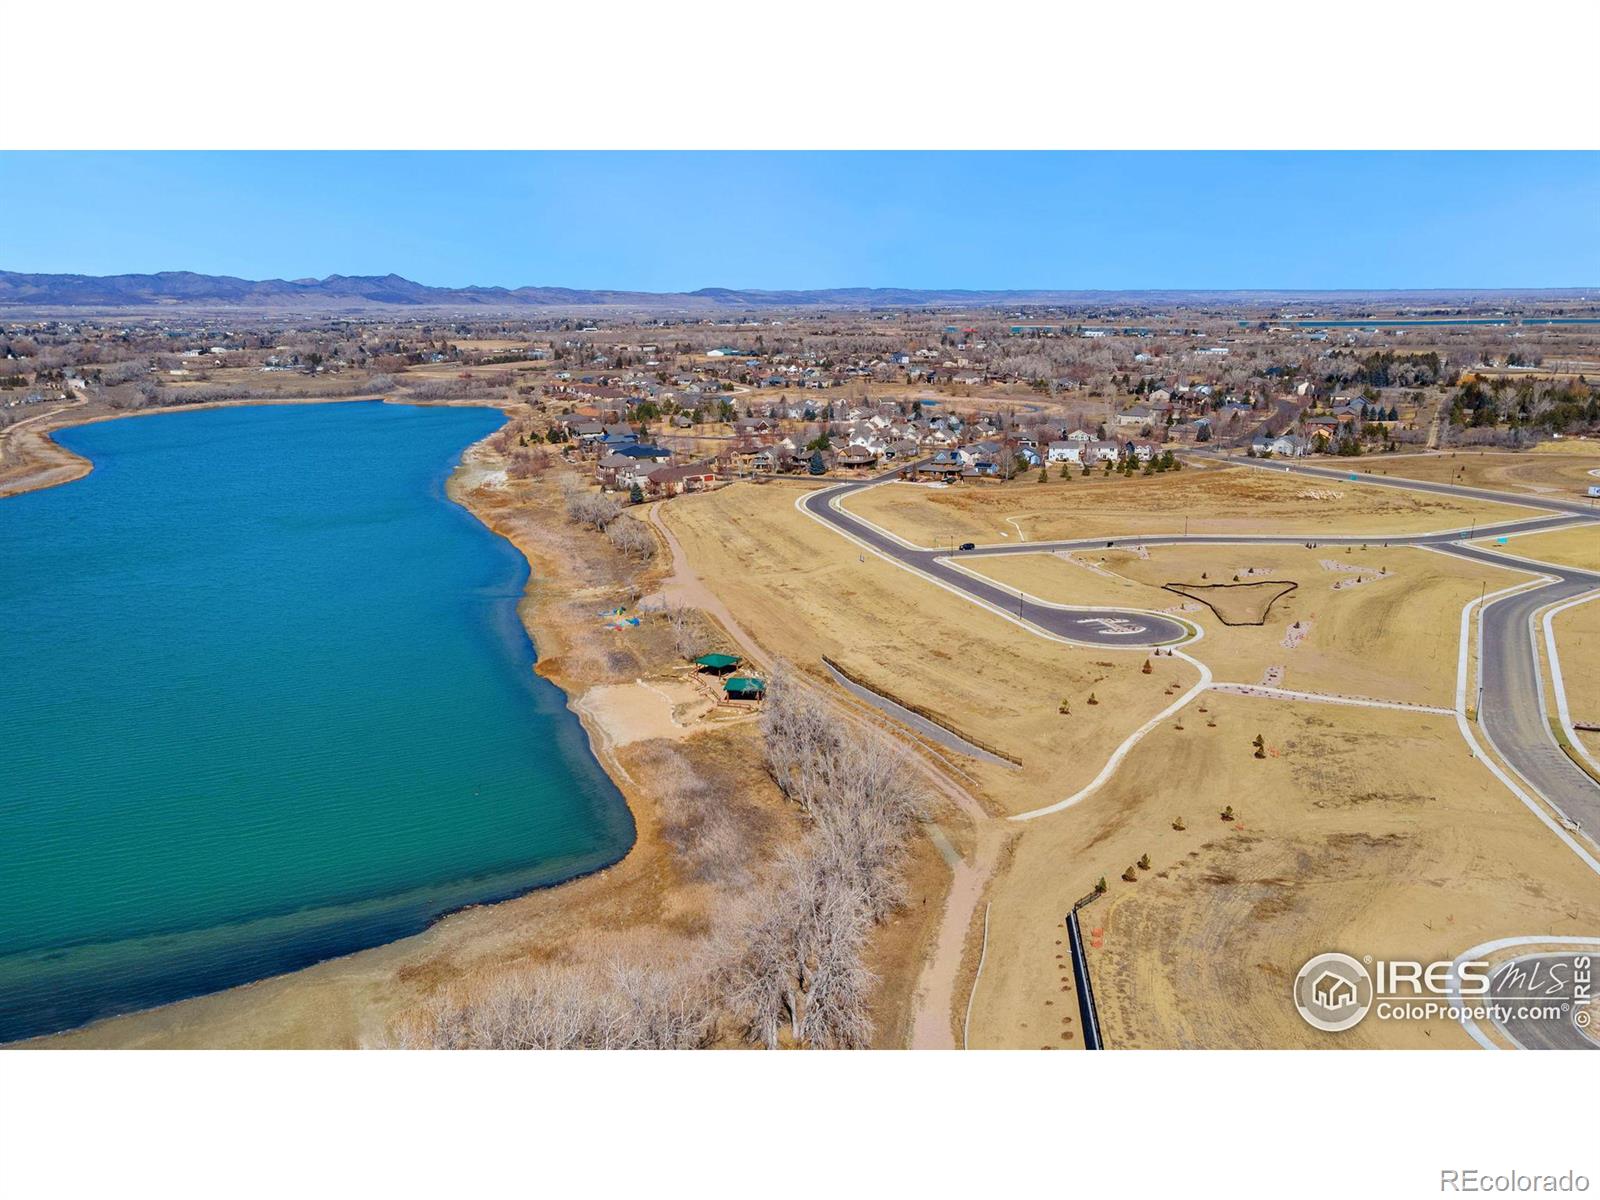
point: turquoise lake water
(265, 699)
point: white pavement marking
(1132, 740)
(1112, 626)
(1562, 712)
(956, 564)
(1478, 952)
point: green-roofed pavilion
(718, 664)
(745, 687)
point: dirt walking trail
(935, 1003)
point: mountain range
(21, 290)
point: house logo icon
(1333, 992)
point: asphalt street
(1101, 627)
(1536, 982)
(1510, 706)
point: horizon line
(1203, 289)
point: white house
(1285, 445)
(1066, 451)
(1107, 451)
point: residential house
(1284, 445)
(1065, 451)
(618, 472)
(674, 481)
(1103, 451)
(635, 450)
(858, 457)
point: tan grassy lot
(804, 591)
(1549, 468)
(1578, 546)
(294, 384)
(1216, 500)
(1349, 628)
(1367, 831)
(1578, 643)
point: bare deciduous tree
(620, 1006)
(689, 636)
(632, 538)
(584, 507)
(803, 955)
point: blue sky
(679, 221)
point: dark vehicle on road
(969, 545)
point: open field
(1214, 500)
(806, 592)
(1550, 468)
(1577, 633)
(1577, 546)
(1344, 629)
(1362, 830)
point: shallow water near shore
(265, 699)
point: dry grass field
(1577, 546)
(1577, 633)
(1345, 629)
(1550, 467)
(288, 384)
(1361, 830)
(804, 592)
(1212, 500)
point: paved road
(1576, 505)
(1094, 626)
(1545, 980)
(1511, 708)
(1511, 703)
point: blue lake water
(265, 699)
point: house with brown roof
(674, 481)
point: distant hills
(19, 290)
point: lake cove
(266, 700)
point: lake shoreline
(293, 1009)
